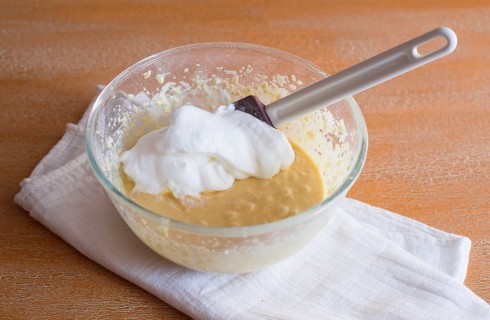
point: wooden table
(429, 131)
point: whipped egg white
(203, 151)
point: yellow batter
(249, 202)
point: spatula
(362, 76)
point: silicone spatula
(362, 76)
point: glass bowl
(143, 96)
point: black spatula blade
(254, 107)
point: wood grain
(429, 153)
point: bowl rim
(237, 231)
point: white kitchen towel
(367, 263)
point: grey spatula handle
(360, 77)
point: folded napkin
(367, 263)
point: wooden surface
(429, 131)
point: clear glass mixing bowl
(125, 110)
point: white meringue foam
(202, 151)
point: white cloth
(367, 263)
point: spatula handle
(360, 77)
